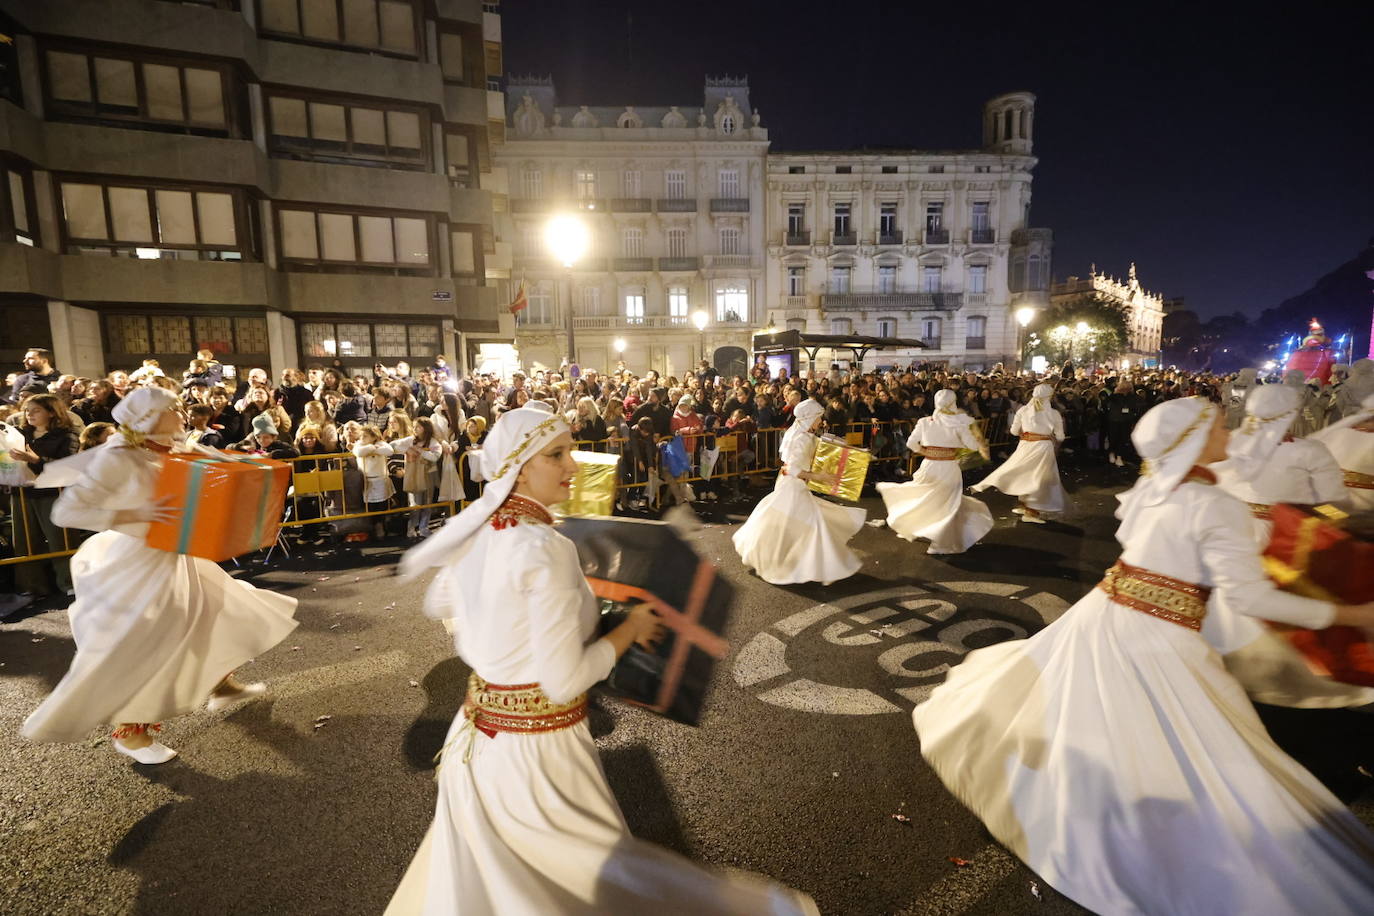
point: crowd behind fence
(327, 491)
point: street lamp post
(1023, 318)
(701, 319)
(567, 239)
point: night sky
(1228, 153)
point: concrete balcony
(730, 261)
(628, 264)
(624, 322)
(982, 236)
(359, 186)
(975, 343)
(679, 264)
(464, 105)
(729, 205)
(793, 303)
(937, 237)
(797, 239)
(98, 149)
(525, 205)
(88, 278)
(844, 241)
(676, 205)
(857, 302)
(890, 238)
(632, 205)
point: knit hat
(263, 425)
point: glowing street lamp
(619, 345)
(701, 319)
(567, 239)
(1024, 315)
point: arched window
(1018, 274)
(1034, 273)
(1006, 125)
(727, 124)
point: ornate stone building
(1144, 310)
(284, 182)
(934, 245)
(673, 198)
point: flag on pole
(521, 300)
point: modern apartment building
(286, 182)
(919, 244)
(672, 197)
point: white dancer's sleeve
(1328, 483)
(1057, 421)
(1016, 421)
(913, 441)
(968, 438)
(92, 501)
(1232, 559)
(553, 592)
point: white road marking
(964, 887)
(762, 658)
(809, 696)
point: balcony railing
(797, 238)
(631, 204)
(729, 205)
(854, 302)
(618, 322)
(982, 236)
(932, 343)
(678, 263)
(633, 264)
(528, 205)
(794, 302)
(591, 203)
(937, 236)
(890, 238)
(730, 260)
(976, 343)
(843, 240)
(591, 265)
(677, 205)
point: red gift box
(1310, 553)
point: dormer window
(727, 124)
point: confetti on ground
(414, 683)
(320, 722)
(901, 819)
(1035, 891)
(357, 648)
(962, 863)
(295, 648)
(335, 626)
(322, 579)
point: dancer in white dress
(1351, 441)
(526, 824)
(932, 504)
(1266, 466)
(1032, 471)
(156, 632)
(793, 535)
(1113, 753)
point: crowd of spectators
(405, 431)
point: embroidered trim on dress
(1357, 480)
(1035, 437)
(129, 729)
(1156, 594)
(517, 508)
(1261, 510)
(940, 453)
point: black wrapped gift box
(629, 562)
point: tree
(1055, 333)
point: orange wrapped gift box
(1311, 554)
(228, 507)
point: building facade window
(887, 327)
(332, 239)
(842, 211)
(460, 157)
(887, 278)
(978, 279)
(729, 240)
(796, 281)
(727, 124)
(586, 185)
(930, 331)
(460, 56)
(931, 279)
(17, 222)
(677, 243)
(841, 326)
(935, 216)
(1037, 272)
(369, 340)
(729, 183)
(331, 129)
(591, 300)
(980, 218)
(677, 304)
(796, 170)
(540, 309)
(382, 25)
(153, 91)
(235, 339)
(634, 306)
(632, 183)
(1017, 281)
(675, 182)
(887, 219)
(531, 184)
(839, 280)
(732, 304)
(632, 242)
(129, 220)
(796, 219)
(977, 331)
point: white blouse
(942, 435)
(117, 478)
(1046, 422)
(1302, 471)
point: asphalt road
(803, 758)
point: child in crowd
(372, 451)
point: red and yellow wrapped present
(228, 506)
(1311, 552)
(847, 463)
(593, 489)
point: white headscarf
(1269, 413)
(1040, 396)
(947, 412)
(1170, 437)
(807, 412)
(516, 437)
(140, 410)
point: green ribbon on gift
(193, 491)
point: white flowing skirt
(529, 827)
(932, 505)
(1115, 756)
(794, 536)
(155, 631)
(1032, 473)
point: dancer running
(1351, 441)
(1113, 753)
(1032, 471)
(525, 823)
(156, 632)
(932, 504)
(793, 535)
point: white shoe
(155, 753)
(1033, 519)
(1019, 510)
(246, 692)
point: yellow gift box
(847, 463)
(593, 489)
